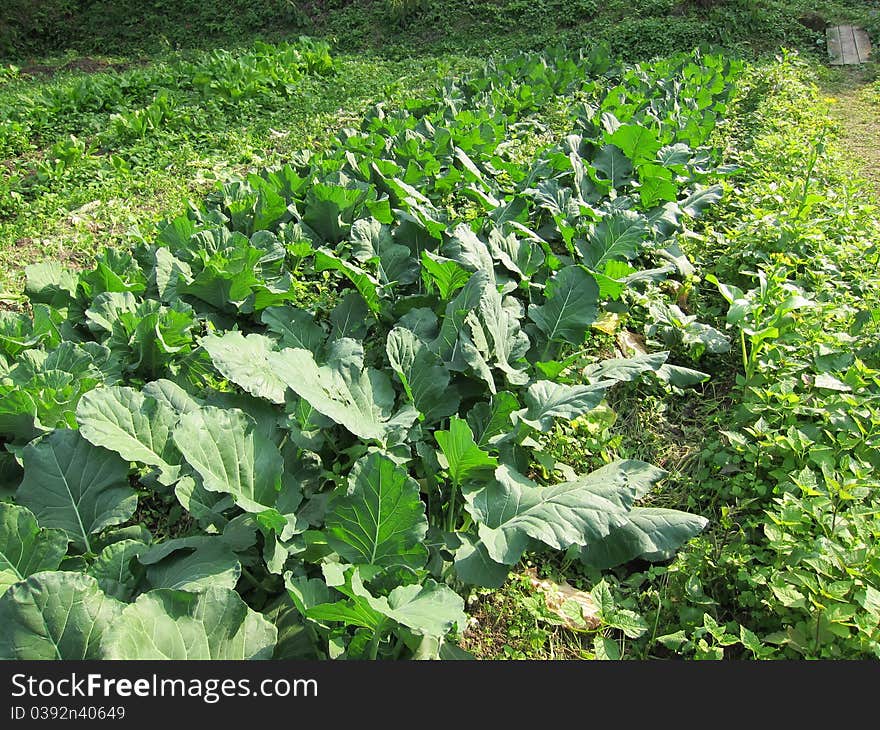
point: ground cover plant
(403, 28)
(791, 571)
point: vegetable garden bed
(337, 376)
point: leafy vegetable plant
(341, 381)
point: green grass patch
(89, 157)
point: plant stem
(252, 579)
(398, 648)
(450, 515)
(818, 148)
(374, 643)
(745, 354)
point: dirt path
(858, 112)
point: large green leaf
(466, 248)
(561, 201)
(168, 624)
(360, 399)
(616, 237)
(18, 413)
(107, 308)
(570, 307)
(355, 612)
(446, 343)
(364, 282)
(651, 533)
(424, 378)
(627, 369)
(245, 361)
(492, 337)
(656, 186)
(238, 535)
(115, 271)
(546, 401)
(212, 563)
(50, 283)
(205, 507)
(701, 199)
(232, 456)
(26, 549)
(171, 274)
(351, 318)
(474, 566)
(482, 330)
(380, 520)
(681, 377)
(75, 486)
(154, 336)
(228, 277)
(427, 609)
(512, 509)
(35, 399)
(637, 141)
(447, 275)
(615, 166)
(19, 332)
(296, 327)
(518, 255)
(306, 592)
(464, 458)
(295, 638)
(56, 615)
(329, 209)
(172, 395)
(114, 569)
(135, 426)
(266, 416)
(372, 243)
(623, 482)
(675, 155)
(492, 422)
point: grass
(857, 112)
(122, 181)
(514, 623)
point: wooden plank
(832, 36)
(863, 44)
(847, 45)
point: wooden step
(847, 45)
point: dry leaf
(630, 344)
(608, 322)
(559, 596)
(80, 214)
